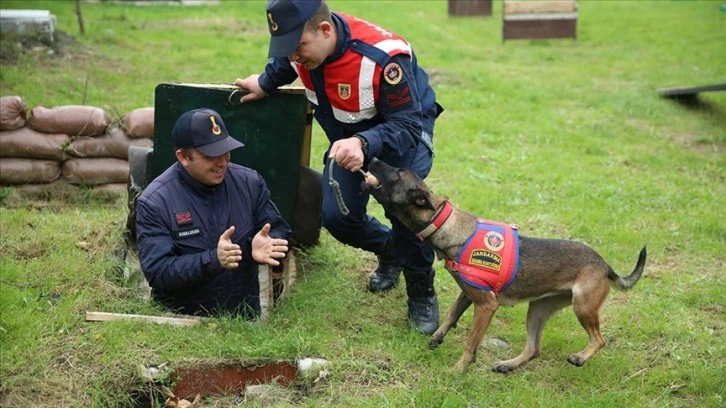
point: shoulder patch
(398, 96)
(392, 73)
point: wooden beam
(174, 321)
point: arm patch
(398, 96)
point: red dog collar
(438, 221)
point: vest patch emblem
(480, 257)
(494, 241)
(344, 91)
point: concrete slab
(36, 24)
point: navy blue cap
(204, 130)
(286, 20)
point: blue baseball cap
(286, 20)
(204, 130)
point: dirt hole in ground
(264, 382)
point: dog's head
(402, 193)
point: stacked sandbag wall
(77, 144)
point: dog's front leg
(452, 317)
(484, 310)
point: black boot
(423, 306)
(386, 275)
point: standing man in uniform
(204, 225)
(372, 100)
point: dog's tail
(630, 280)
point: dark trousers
(360, 230)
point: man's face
(312, 50)
(207, 170)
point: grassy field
(568, 139)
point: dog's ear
(421, 199)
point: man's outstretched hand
(267, 250)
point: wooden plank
(553, 6)
(174, 321)
(267, 300)
(540, 29)
(307, 139)
(275, 285)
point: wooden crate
(470, 7)
(539, 19)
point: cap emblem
(215, 127)
(273, 24)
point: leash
(336, 187)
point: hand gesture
(228, 253)
(348, 153)
(267, 250)
(251, 85)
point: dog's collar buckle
(438, 221)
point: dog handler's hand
(267, 250)
(228, 253)
(250, 84)
(348, 153)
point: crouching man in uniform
(205, 224)
(372, 99)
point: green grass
(568, 139)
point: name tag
(188, 233)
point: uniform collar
(195, 185)
(343, 31)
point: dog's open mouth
(370, 181)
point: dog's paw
(576, 360)
(460, 367)
(435, 342)
(503, 367)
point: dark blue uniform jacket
(179, 222)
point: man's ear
(326, 28)
(182, 157)
(420, 199)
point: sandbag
(14, 170)
(139, 123)
(12, 112)
(114, 143)
(94, 171)
(111, 188)
(28, 143)
(73, 120)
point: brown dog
(551, 275)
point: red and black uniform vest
(352, 82)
